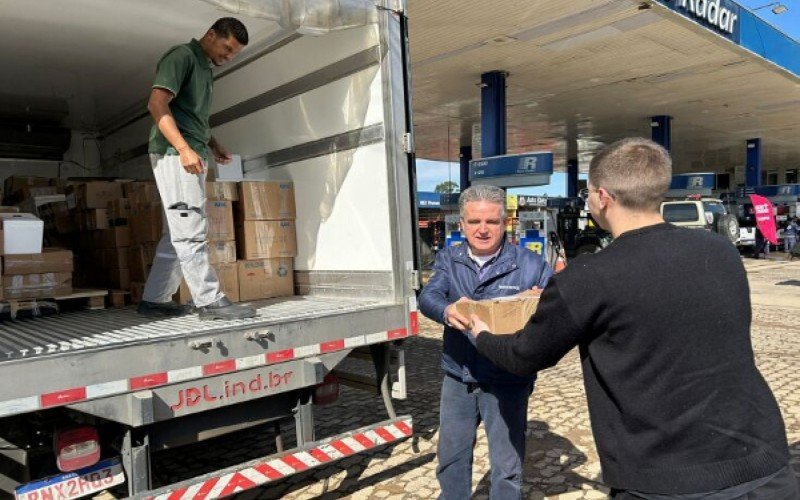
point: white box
(22, 233)
(232, 171)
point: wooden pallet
(90, 299)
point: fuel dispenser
(537, 231)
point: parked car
(703, 213)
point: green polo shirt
(186, 72)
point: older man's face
(484, 226)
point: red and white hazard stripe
(150, 380)
(254, 474)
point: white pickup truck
(319, 97)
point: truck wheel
(728, 226)
(588, 248)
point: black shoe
(225, 309)
(162, 309)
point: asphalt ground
(561, 459)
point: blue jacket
(455, 275)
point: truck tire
(728, 226)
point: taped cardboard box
(146, 222)
(51, 260)
(33, 286)
(137, 289)
(228, 284)
(504, 315)
(266, 200)
(222, 191)
(140, 260)
(262, 239)
(141, 192)
(94, 219)
(220, 220)
(115, 237)
(95, 194)
(265, 278)
(114, 258)
(221, 252)
(119, 209)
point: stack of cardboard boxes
(221, 240)
(266, 239)
(102, 243)
(29, 272)
(113, 229)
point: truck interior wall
(313, 112)
(81, 160)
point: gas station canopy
(597, 71)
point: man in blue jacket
(474, 389)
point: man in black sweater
(662, 320)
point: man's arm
(220, 152)
(158, 106)
(549, 335)
(434, 301)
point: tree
(446, 187)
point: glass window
(791, 176)
(680, 212)
(714, 207)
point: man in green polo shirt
(180, 144)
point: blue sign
(779, 190)
(428, 199)
(533, 242)
(453, 239)
(529, 169)
(694, 181)
(720, 16)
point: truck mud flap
(264, 470)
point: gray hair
(482, 192)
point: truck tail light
(77, 448)
(328, 391)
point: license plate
(98, 477)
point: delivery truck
(320, 99)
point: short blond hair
(636, 171)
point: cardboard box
(114, 258)
(137, 289)
(504, 315)
(22, 232)
(228, 282)
(31, 205)
(222, 191)
(96, 194)
(220, 220)
(20, 187)
(32, 286)
(119, 209)
(266, 200)
(115, 237)
(118, 278)
(141, 192)
(94, 219)
(221, 252)
(265, 278)
(146, 222)
(140, 260)
(261, 239)
(8, 210)
(51, 260)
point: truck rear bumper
(271, 468)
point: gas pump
(452, 230)
(537, 232)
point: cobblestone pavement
(561, 459)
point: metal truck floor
(85, 330)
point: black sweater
(662, 319)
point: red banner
(765, 217)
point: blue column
(572, 177)
(493, 113)
(464, 157)
(661, 131)
(753, 172)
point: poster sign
(765, 218)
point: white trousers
(182, 251)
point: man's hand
(221, 153)
(454, 318)
(536, 290)
(477, 326)
(191, 161)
